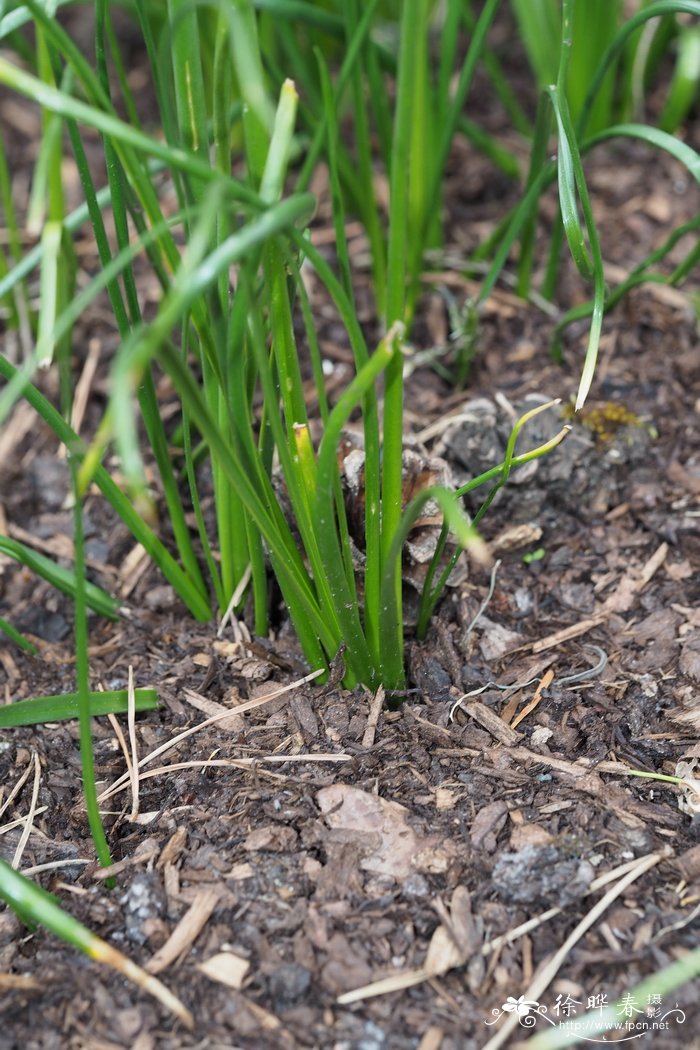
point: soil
(323, 840)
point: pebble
(289, 983)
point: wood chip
(123, 865)
(241, 871)
(545, 682)
(567, 633)
(372, 721)
(133, 567)
(492, 723)
(432, 1039)
(173, 847)
(187, 930)
(267, 1021)
(232, 723)
(18, 982)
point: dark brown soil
(323, 838)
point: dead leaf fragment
(226, 968)
(515, 537)
(496, 640)
(487, 823)
(350, 809)
(443, 953)
(277, 838)
(689, 798)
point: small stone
(415, 886)
(50, 626)
(289, 983)
(541, 875)
(50, 481)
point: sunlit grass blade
(65, 705)
(36, 907)
(46, 197)
(568, 198)
(49, 294)
(258, 113)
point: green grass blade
(668, 979)
(82, 673)
(260, 505)
(370, 420)
(654, 10)
(119, 131)
(594, 25)
(17, 637)
(654, 137)
(456, 102)
(504, 90)
(359, 656)
(338, 210)
(66, 705)
(195, 277)
(641, 274)
(62, 579)
(258, 113)
(198, 605)
(397, 275)
(538, 160)
(35, 906)
(683, 90)
(49, 295)
(466, 535)
(539, 26)
(14, 292)
(568, 199)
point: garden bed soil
(322, 837)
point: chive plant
(216, 204)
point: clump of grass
(227, 256)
